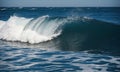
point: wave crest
(30, 30)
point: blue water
(88, 40)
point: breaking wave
(45, 28)
(64, 33)
(29, 29)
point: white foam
(29, 29)
(2, 23)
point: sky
(59, 3)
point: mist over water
(60, 39)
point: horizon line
(59, 6)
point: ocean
(59, 39)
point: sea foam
(31, 30)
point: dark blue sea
(60, 39)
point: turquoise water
(59, 39)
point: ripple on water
(27, 59)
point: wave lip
(29, 29)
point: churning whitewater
(31, 30)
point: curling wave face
(30, 30)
